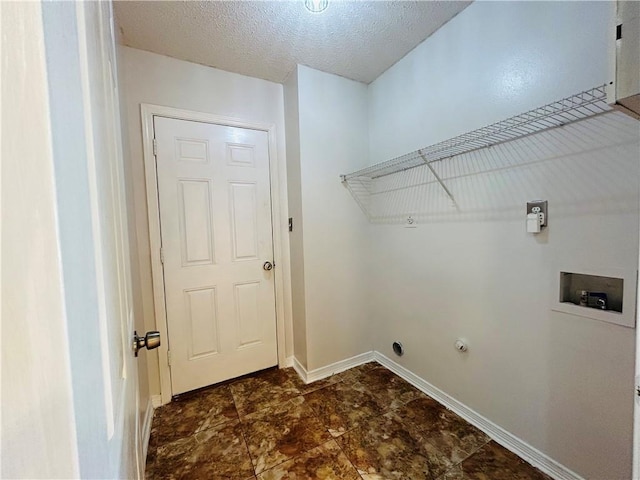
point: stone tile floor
(365, 423)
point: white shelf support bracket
(442, 184)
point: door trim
(278, 202)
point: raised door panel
(240, 155)
(192, 150)
(243, 221)
(248, 321)
(194, 209)
(202, 321)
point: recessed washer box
(608, 295)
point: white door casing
(215, 216)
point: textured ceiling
(266, 39)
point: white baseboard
(146, 428)
(328, 370)
(300, 370)
(508, 440)
(288, 362)
(156, 401)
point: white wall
(155, 79)
(38, 422)
(333, 140)
(492, 61)
(562, 383)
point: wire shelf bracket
(571, 109)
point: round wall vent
(398, 349)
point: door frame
(278, 195)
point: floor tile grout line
(246, 445)
(315, 415)
(389, 409)
(347, 456)
(270, 406)
(294, 457)
(291, 458)
(385, 409)
(334, 438)
(469, 455)
(441, 476)
(217, 425)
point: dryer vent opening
(398, 349)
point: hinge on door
(162, 256)
(169, 357)
(155, 147)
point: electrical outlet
(539, 207)
(410, 222)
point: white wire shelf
(563, 112)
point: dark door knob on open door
(267, 266)
(150, 341)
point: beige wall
(159, 80)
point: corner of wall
(333, 140)
(296, 246)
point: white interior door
(109, 225)
(215, 220)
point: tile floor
(365, 423)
